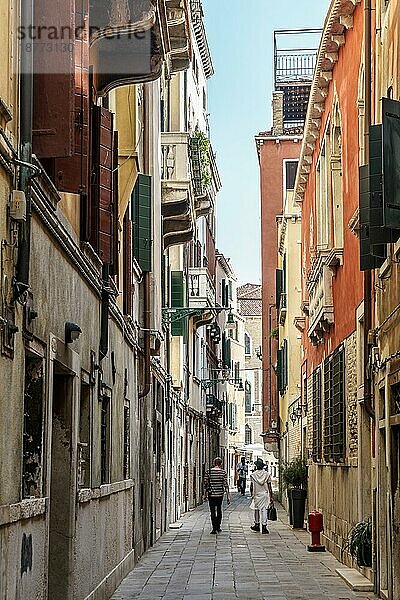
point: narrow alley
(238, 563)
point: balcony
(201, 288)
(179, 37)
(183, 196)
(321, 311)
(129, 40)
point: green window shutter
(224, 292)
(177, 301)
(391, 162)
(230, 294)
(285, 365)
(368, 251)
(142, 221)
(278, 286)
(279, 371)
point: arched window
(248, 436)
(247, 397)
(337, 175)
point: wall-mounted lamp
(293, 416)
(72, 332)
(230, 322)
(240, 387)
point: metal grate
(317, 415)
(334, 407)
(127, 431)
(104, 440)
(395, 394)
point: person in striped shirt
(215, 485)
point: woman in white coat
(261, 492)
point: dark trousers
(216, 512)
(242, 485)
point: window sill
(26, 509)
(87, 494)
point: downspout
(26, 117)
(147, 313)
(368, 275)
(368, 403)
(146, 277)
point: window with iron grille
(395, 399)
(248, 435)
(247, 396)
(127, 437)
(105, 440)
(334, 407)
(317, 414)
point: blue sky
(240, 34)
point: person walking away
(215, 485)
(242, 470)
(261, 492)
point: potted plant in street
(295, 478)
(359, 542)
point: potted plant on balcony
(359, 542)
(201, 150)
(295, 478)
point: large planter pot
(364, 555)
(290, 505)
(298, 507)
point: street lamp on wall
(72, 332)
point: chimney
(277, 113)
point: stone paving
(190, 563)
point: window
(32, 460)
(334, 407)
(282, 367)
(395, 399)
(247, 396)
(290, 173)
(84, 445)
(248, 435)
(247, 344)
(337, 177)
(127, 438)
(322, 196)
(317, 415)
(232, 414)
(105, 428)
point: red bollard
(315, 526)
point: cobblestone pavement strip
(189, 563)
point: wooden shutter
(142, 221)
(226, 351)
(54, 80)
(279, 374)
(127, 257)
(278, 286)
(177, 301)
(115, 208)
(391, 162)
(71, 174)
(101, 201)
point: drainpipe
(368, 275)
(368, 403)
(147, 312)
(26, 118)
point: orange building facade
(339, 438)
